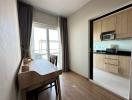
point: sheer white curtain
(32, 44)
(52, 45)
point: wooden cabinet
(112, 63)
(124, 65)
(119, 65)
(120, 22)
(109, 23)
(124, 24)
(98, 61)
(121, 25)
(96, 31)
(129, 27)
(114, 57)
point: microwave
(108, 36)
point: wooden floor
(75, 87)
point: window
(46, 42)
(40, 43)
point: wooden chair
(53, 60)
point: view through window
(46, 42)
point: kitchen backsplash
(125, 45)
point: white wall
(9, 49)
(78, 31)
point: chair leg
(59, 89)
(36, 96)
(56, 89)
(50, 84)
(32, 95)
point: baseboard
(79, 75)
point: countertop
(120, 53)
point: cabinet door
(96, 31)
(113, 57)
(121, 25)
(130, 22)
(124, 66)
(111, 68)
(104, 25)
(99, 61)
(109, 23)
(112, 63)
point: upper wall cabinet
(124, 24)
(129, 22)
(121, 24)
(97, 30)
(109, 23)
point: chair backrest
(53, 59)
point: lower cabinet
(119, 65)
(98, 61)
(124, 65)
(112, 63)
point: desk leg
(59, 89)
(32, 95)
(56, 87)
(23, 95)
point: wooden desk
(40, 73)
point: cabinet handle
(111, 64)
(111, 59)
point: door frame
(91, 49)
(90, 22)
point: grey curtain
(64, 43)
(25, 15)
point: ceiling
(58, 7)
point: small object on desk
(25, 68)
(26, 60)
